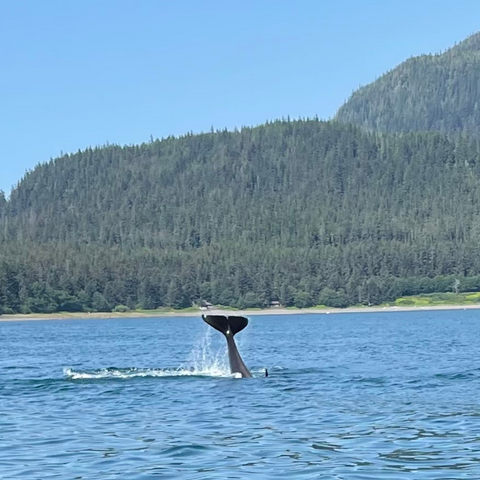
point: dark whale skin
(230, 326)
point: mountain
(427, 93)
(306, 212)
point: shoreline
(247, 313)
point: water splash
(203, 361)
(130, 373)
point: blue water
(351, 396)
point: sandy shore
(247, 313)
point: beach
(213, 311)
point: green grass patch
(436, 299)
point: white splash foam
(129, 373)
(203, 361)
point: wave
(130, 373)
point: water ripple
(354, 397)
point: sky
(88, 73)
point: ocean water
(350, 396)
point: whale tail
(227, 325)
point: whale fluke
(230, 326)
(226, 325)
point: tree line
(302, 212)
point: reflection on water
(353, 396)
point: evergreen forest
(303, 212)
(427, 93)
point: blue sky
(76, 74)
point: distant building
(275, 304)
(206, 306)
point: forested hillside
(427, 93)
(303, 212)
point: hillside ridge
(436, 92)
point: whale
(230, 326)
